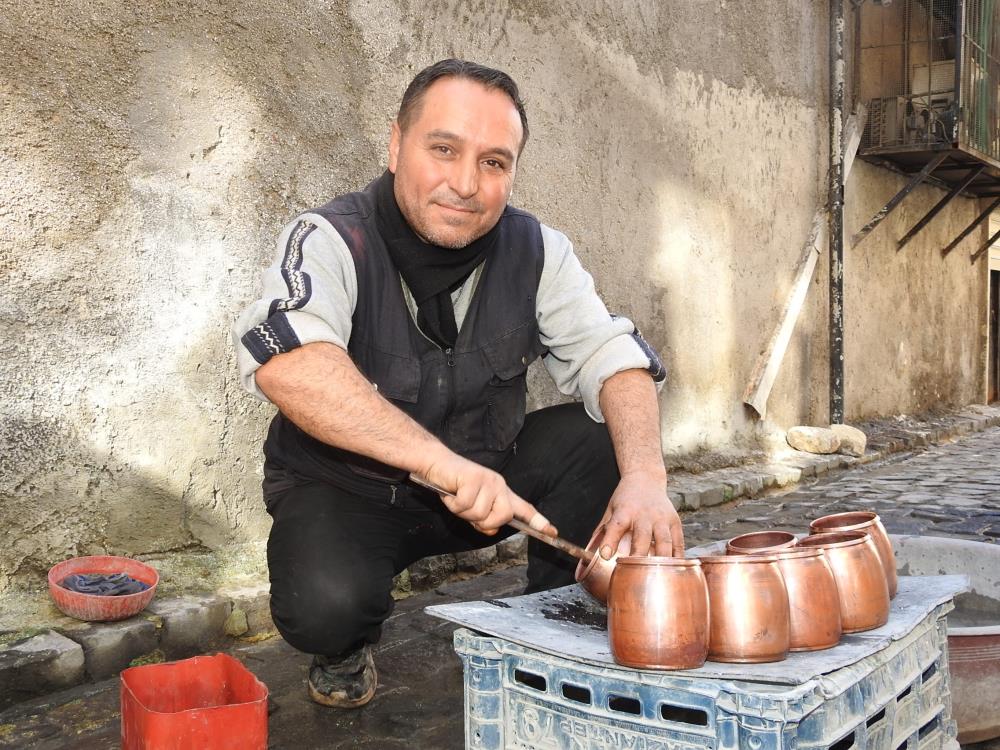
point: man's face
(455, 162)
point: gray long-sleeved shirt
(587, 345)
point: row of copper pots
(772, 594)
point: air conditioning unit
(933, 86)
(886, 118)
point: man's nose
(465, 178)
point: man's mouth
(457, 209)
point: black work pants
(332, 555)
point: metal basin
(973, 627)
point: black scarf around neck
(430, 271)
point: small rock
(852, 440)
(431, 571)
(476, 560)
(813, 439)
(236, 624)
(513, 548)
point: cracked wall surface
(151, 152)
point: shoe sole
(336, 702)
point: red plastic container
(204, 703)
(95, 608)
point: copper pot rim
(795, 553)
(763, 557)
(818, 525)
(834, 539)
(677, 562)
(734, 542)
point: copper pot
(760, 541)
(813, 599)
(658, 613)
(861, 584)
(595, 576)
(863, 520)
(749, 608)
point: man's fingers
(613, 532)
(664, 539)
(642, 535)
(677, 534)
(525, 511)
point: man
(393, 335)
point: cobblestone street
(948, 490)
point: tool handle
(532, 529)
(553, 541)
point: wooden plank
(766, 369)
(768, 364)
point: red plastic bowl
(91, 607)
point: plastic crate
(517, 697)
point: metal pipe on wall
(836, 190)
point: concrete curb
(172, 628)
(885, 438)
(63, 656)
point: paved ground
(949, 490)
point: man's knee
(330, 616)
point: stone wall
(152, 151)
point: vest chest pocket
(397, 378)
(506, 391)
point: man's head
(454, 150)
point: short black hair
(453, 68)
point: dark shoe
(345, 682)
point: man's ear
(395, 135)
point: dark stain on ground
(498, 603)
(577, 613)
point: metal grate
(930, 73)
(906, 61)
(980, 77)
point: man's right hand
(478, 495)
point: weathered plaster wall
(151, 153)
(915, 322)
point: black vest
(471, 397)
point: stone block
(783, 474)
(513, 548)
(852, 440)
(754, 484)
(476, 560)
(806, 466)
(431, 571)
(690, 498)
(39, 665)
(108, 647)
(189, 625)
(813, 439)
(714, 495)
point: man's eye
(443, 149)
(494, 164)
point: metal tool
(532, 529)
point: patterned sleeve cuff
(270, 337)
(656, 368)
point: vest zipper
(449, 353)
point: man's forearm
(320, 389)
(631, 411)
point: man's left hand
(640, 505)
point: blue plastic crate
(517, 697)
